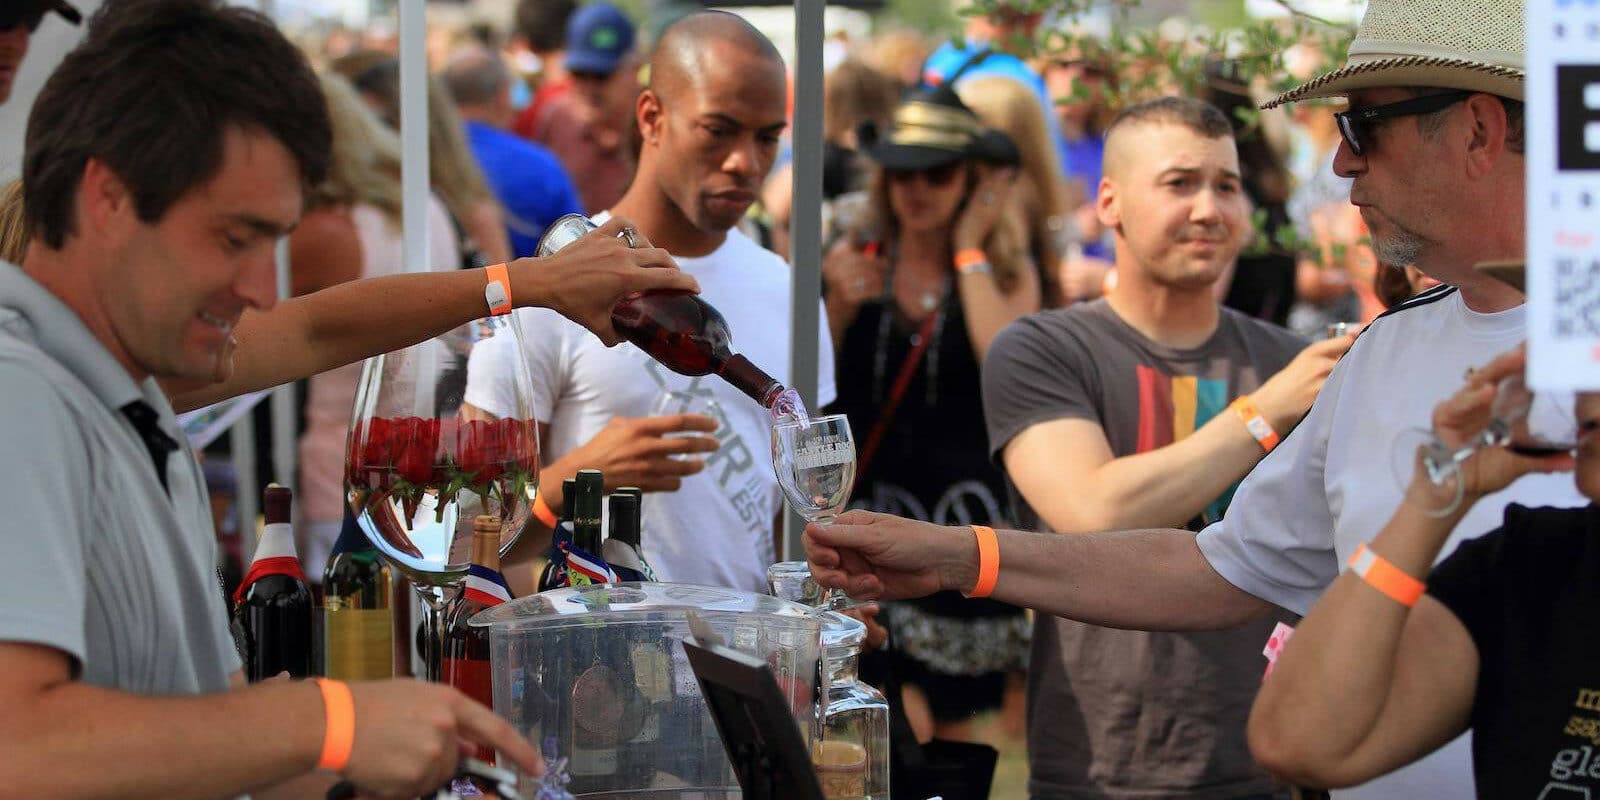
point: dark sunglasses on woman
(933, 176)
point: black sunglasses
(20, 15)
(933, 176)
(1356, 124)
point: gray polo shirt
(97, 560)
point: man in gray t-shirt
(1100, 414)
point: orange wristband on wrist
(1255, 423)
(1386, 577)
(988, 561)
(340, 734)
(497, 293)
(971, 260)
(542, 512)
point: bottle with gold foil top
(358, 609)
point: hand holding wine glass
(1481, 439)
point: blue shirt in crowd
(529, 181)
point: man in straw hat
(1433, 144)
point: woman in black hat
(913, 307)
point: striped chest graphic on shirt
(1173, 406)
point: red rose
(480, 456)
(520, 446)
(414, 443)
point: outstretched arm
(345, 323)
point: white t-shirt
(1329, 487)
(716, 529)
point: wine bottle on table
(466, 649)
(585, 565)
(622, 548)
(553, 575)
(358, 610)
(272, 607)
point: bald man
(1116, 414)
(709, 123)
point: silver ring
(861, 283)
(629, 237)
(988, 198)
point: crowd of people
(1048, 306)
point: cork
(275, 501)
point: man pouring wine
(710, 122)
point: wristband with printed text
(497, 292)
(1384, 576)
(1258, 426)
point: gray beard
(1398, 249)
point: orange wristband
(1255, 423)
(542, 512)
(988, 561)
(340, 735)
(972, 260)
(497, 293)
(1386, 577)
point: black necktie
(145, 421)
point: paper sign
(1563, 162)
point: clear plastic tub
(597, 676)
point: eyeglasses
(1356, 125)
(20, 15)
(933, 176)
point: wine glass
(682, 401)
(426, 456)
(1529, 423)
(815, 461)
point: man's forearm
(342, 325)
(1141, 580)
(86, 742)
(1162, 488)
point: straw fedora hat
(932, 128)
(1475, 45)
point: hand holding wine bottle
(410, 735)
(587, 278)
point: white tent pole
(284, 441)
(805, 224)
(414, 133)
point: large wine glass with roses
(425, 458)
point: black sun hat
(932, 128)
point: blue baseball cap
(599, 35)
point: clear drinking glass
(815, 462)
(677, 401)
(425, 457)
(1529, 423)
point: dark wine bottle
(586, 511)
(358, 610)
(622, 546)
(553, 575)
(690, 337)
(466, 649)
(272, 608)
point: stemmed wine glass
(815, 462)
(1529, 423)
(426, 455)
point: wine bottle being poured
(683, 332)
